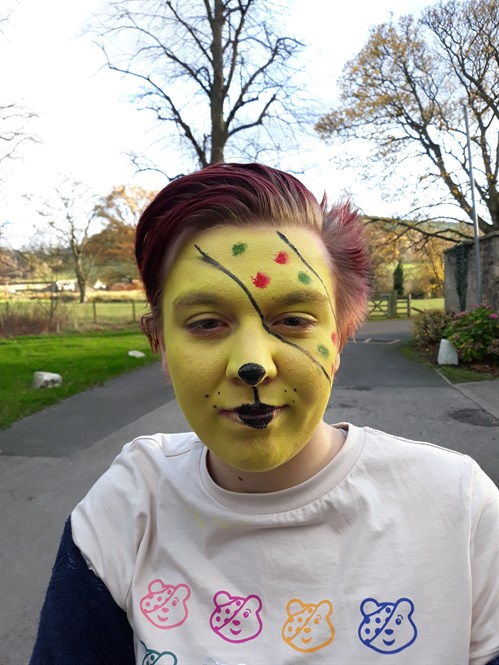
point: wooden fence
(75, 315)
(389, 306)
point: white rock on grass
(46, 380)
(136, 354)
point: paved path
(50, 460)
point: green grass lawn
(83, 360)
(426, 304)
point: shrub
(475, 333)
(32, 320)
(429, 326)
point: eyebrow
(206, 299)
(308, 296)
(190, 298)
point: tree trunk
(80, 277)
(218, 129)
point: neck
(318, 452)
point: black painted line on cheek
(213, 262)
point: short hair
(249, 195)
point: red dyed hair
(243, 195)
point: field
(424, 305)
(41, 315)
(83, 360)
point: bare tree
(13, 120)
(70, 217)
(404, 94)
(215, 71)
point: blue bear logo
(156, 658)
(387, 627)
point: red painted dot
(282, 257)
(334, 338)
(261, 280)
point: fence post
(94, 307)
(392, 304)
(409, 306)
(133, 311)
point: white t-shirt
(389, 553)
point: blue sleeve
(79, 621)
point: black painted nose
(251, 373)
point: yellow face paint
(251, 341)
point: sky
(86, 122)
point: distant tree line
(220, 76)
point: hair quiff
(243, 195)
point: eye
(293, 322)
(206, 327)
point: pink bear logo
(165, 606)
(236, 619)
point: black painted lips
(255, 415)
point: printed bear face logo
(156, 658)
(387, 627)
(308, 627)
(235, 618)
(165, 606)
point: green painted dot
(304, 278)
(323, 350)
(239, 248)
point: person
(267, 536)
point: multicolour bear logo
(387, 627)
(308, 627)
(165, 606)
(235, 618)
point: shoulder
(141, 465)
(421, 468)
(118, 510)
(408, 452)
(148, 456)
(165, 445)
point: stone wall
(460, 274)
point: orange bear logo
(308, 626)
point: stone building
(460, 288)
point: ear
(164, 362)
(337, 362)
(369, 606)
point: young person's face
(250, 341)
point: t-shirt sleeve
(110, 522)
(484, 645)
(80, 622)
